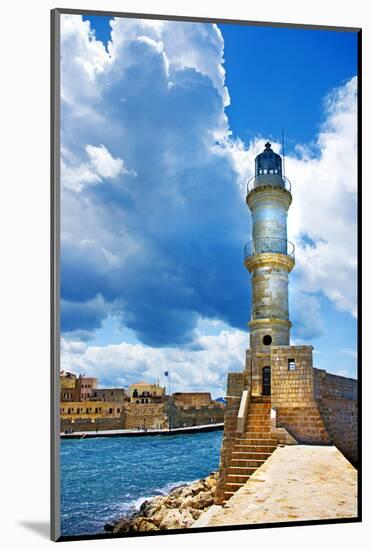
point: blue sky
(160, 127)
(282, 61)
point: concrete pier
(297, 483)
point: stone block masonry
(235, 385)
(313, 405)
(336, 398)
(187, 416)
(292, 376)
(305, 424)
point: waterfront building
(118, 395)
(85, 387)
(76, 388)
(144, 393)
(279, 398)
(84, 407)
(90, 410)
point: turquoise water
(106, 478)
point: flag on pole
(166, 373)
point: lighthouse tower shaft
(269, 257)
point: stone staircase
(252, 448)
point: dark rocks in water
(177, 510)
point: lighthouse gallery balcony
(271, 179)
(273, 245)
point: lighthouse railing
(266, 179)
(269, 245)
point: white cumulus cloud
(205, 366)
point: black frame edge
(54, 273)
(199, 19)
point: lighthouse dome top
(268, 162)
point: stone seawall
(336, 398)
(189, 416)
(305, 424)
(86, 425)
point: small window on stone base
(291, 364)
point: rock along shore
(177, 510)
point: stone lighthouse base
(298, 404)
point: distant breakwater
(142, 433)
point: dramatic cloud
(152, 217)
(323, 221)
(153, 211)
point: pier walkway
(296, 483)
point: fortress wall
(333, 386)
(312, 404)
(305, 424)
(143, 415)
(194, 415)
(192, 399)
(336, 398)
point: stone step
(244, 468)
(254, 423)
(239, 478)
(265, 434)
(247, 462)
(253, 448)
(254, 428)
(249, 455)
(264, 422)
(258, 440)
(253, 442)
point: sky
(160, 125)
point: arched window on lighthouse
(268, 162)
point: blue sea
(103, 479)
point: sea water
(103, 479)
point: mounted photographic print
(205, 228)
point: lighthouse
(269, 258)
(278, 398)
